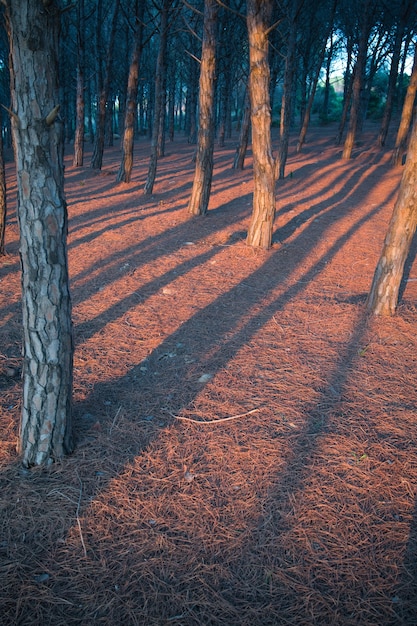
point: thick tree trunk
(200, 193)
(160, 99)
(406, 115)
(46, 429)
(126, 164)
(264, 166)
(383, 296)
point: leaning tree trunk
(200, 193)
(264, 167)
(383, 296)
(45, 430)
(126, 164)
(159, 112)
(406, 115)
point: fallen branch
(221, 419)
(78, 518)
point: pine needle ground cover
(246, 436)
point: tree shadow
(407, 268)
(404, 596)
(167, 383)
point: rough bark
(160, 98)
(200, 193)
(383, 296)
(264, 167)
(45, 429)
(406, 115)
(126, 164)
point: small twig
(279, 325)
(12, 114)
(193, 8)
(222, 419)
(78, 518)
(115, 418)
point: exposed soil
(246, 435)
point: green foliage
(335, 104)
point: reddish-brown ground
(246, 436)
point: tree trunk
(383, 296)
(406, 115)
(324, 112)
(103, 89)
(287, 98)
(200, 193)
(357, 87)
(224, 93)
(160, 99)
(191, 103)
(242, 146)
(78, 158)
(126, 164)
(347, 92)
(307, 114)
(171, 106)
(45, 429)
(264, 166)
(3, 195)
(392, 81)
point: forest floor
(246, 435)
